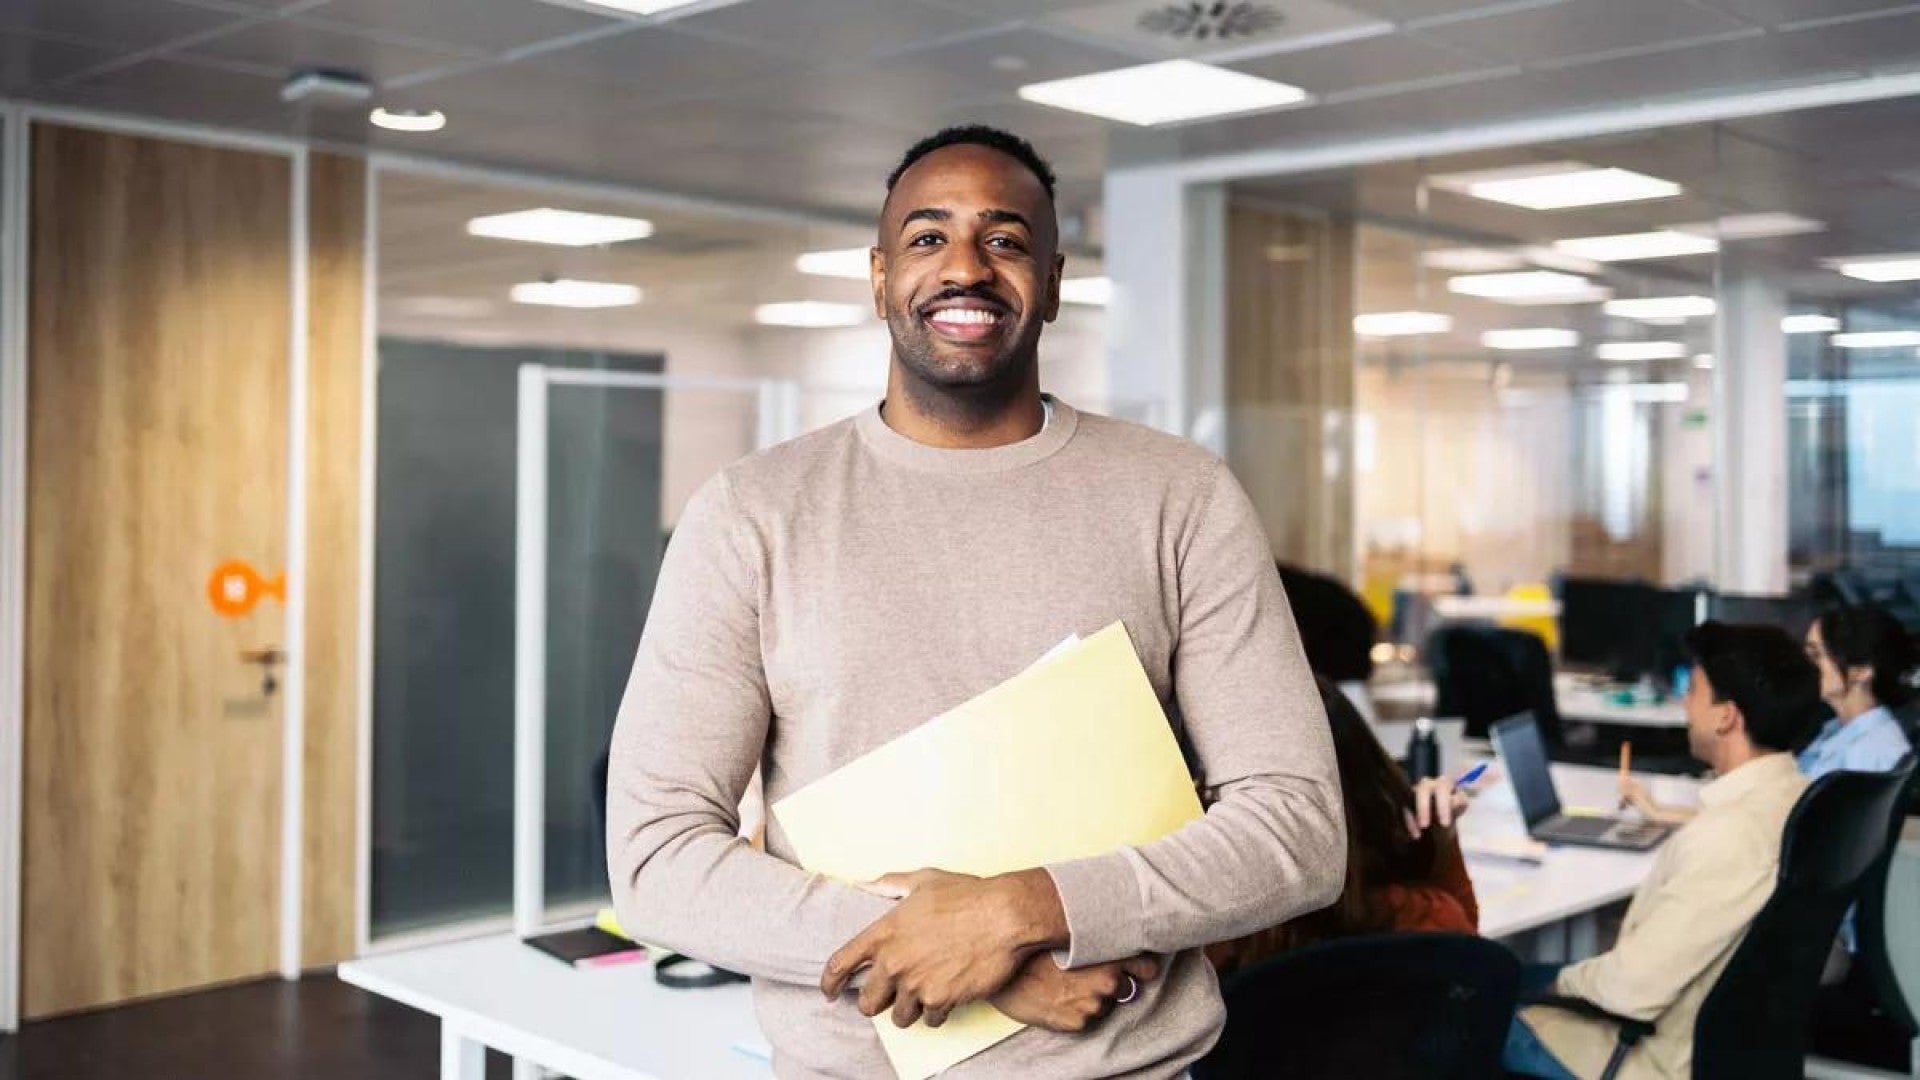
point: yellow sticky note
(1069, 759)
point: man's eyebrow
(1006, 217)
(926, 213)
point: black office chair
(1754, 1022)
(1392, 1007)
(1868, 1019)
(1484, 674)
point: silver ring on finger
(1133, 991)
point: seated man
(1753, 696)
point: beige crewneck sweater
(830, 594)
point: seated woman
(1404, 867)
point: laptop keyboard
(1583, 828)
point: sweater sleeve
(691, 729)
(1273, 844)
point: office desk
(618, 1024)
(1494, 607)
(1579, 700)
(603, 1024)
(1576, 699)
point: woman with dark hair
(1866, 661)
(1404, 867)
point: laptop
(1524, 754)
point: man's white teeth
(966, 316)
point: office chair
(1484, 674)
(1754, 1022)
(1391, 1007)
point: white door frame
(777, 404)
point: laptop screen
(1524, 753)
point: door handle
(268, 657)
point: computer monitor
(1593, 614)
(1790, 613)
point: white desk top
(611, 1023)
(1579, 700)
(1516, 897)
(618, 1024)
(1576, 699)
(1494, 607)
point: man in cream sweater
(830, 594)
(1753, 698)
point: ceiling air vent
(1212, 20)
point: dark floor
(316, 1029)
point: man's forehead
(953, 176)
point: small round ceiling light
(409, 120)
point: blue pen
(1473, 774)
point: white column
(1750, 421)
(1165, 251)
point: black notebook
(587, 947)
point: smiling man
(829, 595)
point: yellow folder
(1071, 758)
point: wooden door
(157, 443)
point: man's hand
(1045, 995)
(953, 939)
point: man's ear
(877, 274)
(1053, 287)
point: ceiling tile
(1779, 12)
(489, 97)
(26, 62)
(829, 32)
(1410, 10)
(291, 45)
(658, 62)
(1754, 62)
(1384, 60)
(134, 24)
(487, 25)
(1582, 28)
(1878, 43)
(1009, 9)
(179, 90)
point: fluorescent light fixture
(417, 121)
(1641, 350)
(850, 263)
(1401, 324)
(1091, 291)
(1165, 93)
(632, 7)
(1530, 287)
(1759, 226)
(562, 228)
(1703, 361)
(1627, 247)
(1809, 324)
(1472, 260)
(1557, 185)
(810, 314)
(569, 293)
(1661, 308)
(1877, 339)
(1530, 338)
(1878, 267)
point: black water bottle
(1423, 752)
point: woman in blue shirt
(1866, 661)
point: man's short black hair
(992, 138)
(1764, 671)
